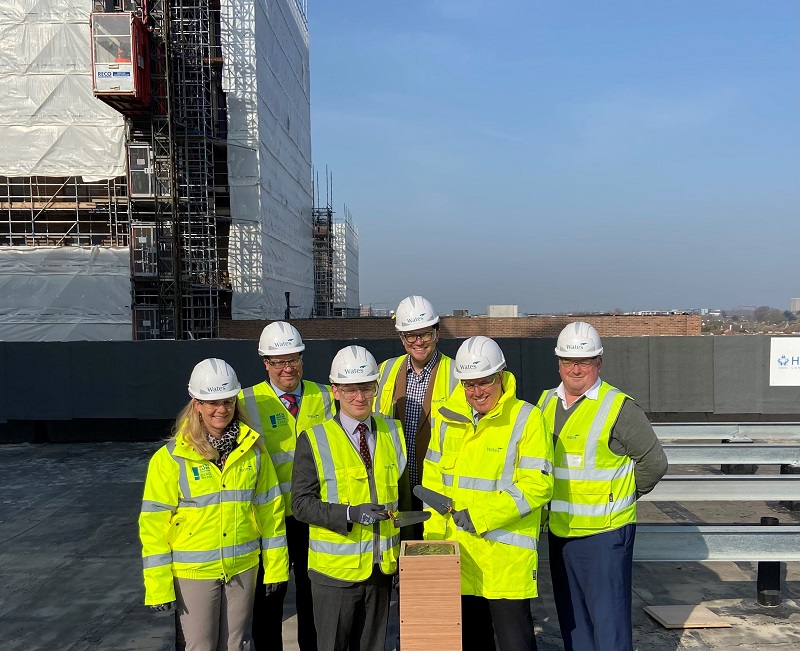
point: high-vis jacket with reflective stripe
(595, 489)
(501, 472)
(443, 385)
(280, 429)
(344, 479)
(198, 522)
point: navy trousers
(592, 578)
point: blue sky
(564, 155)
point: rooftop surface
(71, 567)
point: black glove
(463, 521)
(163, 608)
(367, 514)
(272, 588)
(396, 581)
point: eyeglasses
(216, 404)
(422, 337)
(284, 363)
(483, 384)
(582, 363)
(351, 392)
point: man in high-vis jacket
(412, 387)
(606, 457)
(491, 455)
(280, 408)
(345, 479)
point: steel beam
(693, 543)
(706, 453)
(725, 488)
(726, 431)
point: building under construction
(336, 283)
(155, 168)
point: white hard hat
(415, 312)
(579, 339)
(352, 365)
(213, 379)
(280, 338)
(478, 357)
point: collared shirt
(416, 387)
(298, 393)
(349, 425)
(591, 393)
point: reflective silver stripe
(598, 423)
(251, 407)
(388, 366)
(453, 378)
(339, 549)
(477, 484)
(433, 455)
(151, 506)
(454, 415)
(273, 543)
(286, 487)
(258, 460)
(442, 430)
(326, 399)
(183, 478)
(506, 482)
(447, 480)
(281, 457)
(217, 498)
(388, 543)
(595, 474)
(607, 508)
(397, 444)
(511, 538)
(536, 463)
(265, 498)
(547, 398)
(328, 467)
(211, 555)
(156, 560)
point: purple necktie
(363, 448)
(292, 405)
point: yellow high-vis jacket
(595, 489)
(200, 522)
(344, 479)
(501, 471)
(280, 429)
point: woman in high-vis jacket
(211, 501)
(490, 455)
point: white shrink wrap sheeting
(65, 294)
(266, 79)
(50, 122)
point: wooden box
(430, 599)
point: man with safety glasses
(412, 387)
(281, 408)
(606, 457)
(492, 459)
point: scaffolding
(323, 249)
(345, 266)
(179, 275)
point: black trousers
(509, 619)
(353, 617)
(268, 611)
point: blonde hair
(189, 427)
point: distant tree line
(772, 315)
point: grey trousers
(353, 617)
(217, 616)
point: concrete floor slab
(70, 568)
